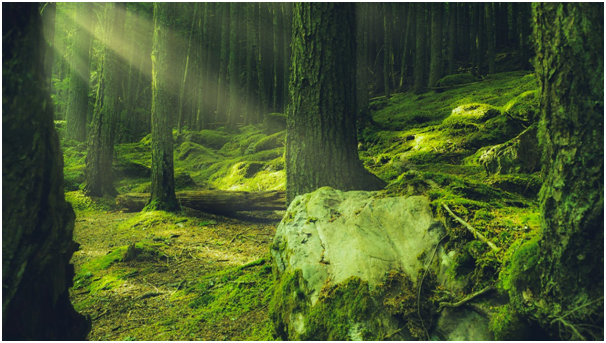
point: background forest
(187, 129)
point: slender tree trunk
(77, 104)
(182, 84)
(162, 175)
(232, 68)
(409, 42)
(261, 82)
(435, 67)
(38, 224)
(490, 36)
(569, 38)
(525, 31)
(420, 53)
(287, 14)
(453, 39)
(515, 34)
(387, 47)
(222, 89)
(318, 143)
(362, 67)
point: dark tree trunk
(409, 43)
(420, 53)
(435, 67)
(49, 15)
(37, 222)
(453, 39)
(362, 65)
(387, 47)
(222, 90)
(490, 36)
(321, 126)
(162, 174)
(569, 38)
(100, 152)
(525, 31)
(232, 68)
(515, 33)
(287, 13)
(77, 104)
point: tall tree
(222, 90)
(185, 70)
(100, 152)
(387, 47)
(233, 110)
(490, 36)
(453, 38)
(435, 66)
(321, 125)
(409, 43)
(249, 64)
(49, 15)
(77, 104)
(162, 175)
(420, 75)
(37, 222)
(569, 38)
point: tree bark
(421, 54)
(37, 222)
(435, 67)
(233, 78)
(49, 16)
(222, 90)
(162, 176)
(569, 38)
(214, 201)
(77, 104)
(321, 146)
(490, 36)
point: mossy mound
(208, 138)
(274, 141)
(456, 79)
(524, 107)
(470, 115)
(83, 203)
(274, 122)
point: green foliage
(83, 203)
(470, 115)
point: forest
(303, 171)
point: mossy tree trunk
(37, 222)
(409, 43)
(162, 173)
(362, 65)
(387, 47)
(435, 66)
(182, 85)
(569, 38)
(321, 146)
(453, 38)
(77, 103)
(49, 15)
(100, 152)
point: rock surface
(331, 236)
(519, 155)
(348, 266)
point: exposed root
(475, 232)
(466, 299)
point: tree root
(465, 300)
(475, 232)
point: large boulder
(332, 255)
(519, 155)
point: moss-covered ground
(161, 276)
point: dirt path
(188, 281)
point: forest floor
(194, 276)
(197, 276)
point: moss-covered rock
(184, 181)
(267, 143)
(524, 107)
(470, 115)
(131, 169)
(274, 122)
(456, 79)
(519, 155)
(208, 138)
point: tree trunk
(387, 47)
(232, 68)
(222, 90)
(77, 104)
(453, 39)
(435, 67)
(185, 69)
(162, 175)
(569, 38)
(100, 152)
(362, 65)
(214, 201)
(490, 36)
(321, 146)
(37, 222)
(409, 42)
(420, 54)
(49, 15)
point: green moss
(267, 143)
(208, 138)
(456, 79)
(83, 203)
(524, 107)
(506, 325)
(470, 115)
(521, 271)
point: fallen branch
(215, 201)
(466, 299)
(472, 230)
(239, 234)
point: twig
(472, 230)
(466, 299)
(421, 285)
(239, 234)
